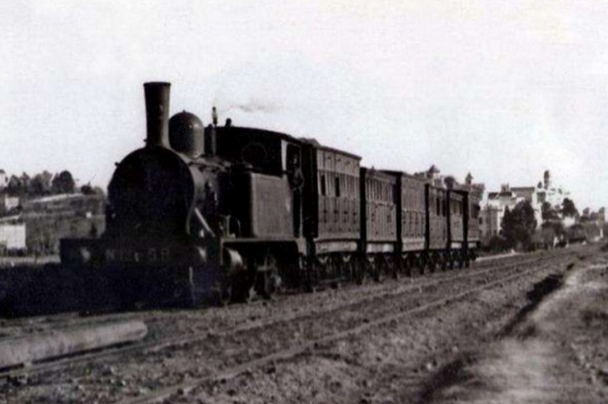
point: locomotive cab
(266, 181)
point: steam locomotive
(224, 213)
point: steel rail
(158, 345)
(310, 346)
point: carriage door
(296, 181)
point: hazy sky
(503, 89)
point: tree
(15, 186)
(585, 216)
(41, 184)
(548, 213)
(25, 181)
(64, 183)
(87, 189)
(568, 208)
(551, 219)
(518, 226)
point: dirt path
(557, 353)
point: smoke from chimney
(251, 106)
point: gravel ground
(460, 351)
(412, 361)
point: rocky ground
(533, 332)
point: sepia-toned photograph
(321, 201)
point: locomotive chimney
(157, 113)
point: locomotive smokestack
(157, 113)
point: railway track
(71, 319)
(155, 348)
(179, 391)
(64, 320)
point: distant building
(548, 193)
(54, 217)
(526, 193)
(494, 207)
(490, 219)
(12, 237)
(8, 203)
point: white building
(12, 237)
(7, 203)
(493, 209)
(548, 193)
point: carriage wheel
(419, 264)
(242, 284)
(460, 260)
(405, 265)
(268, 280)
(221, 293)
(443, 260)
(242, 289)
(359, 271)
(335, 270)
(347, 267)
(375, 268)
(311, 274)
(392, 267)
(429, 262)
